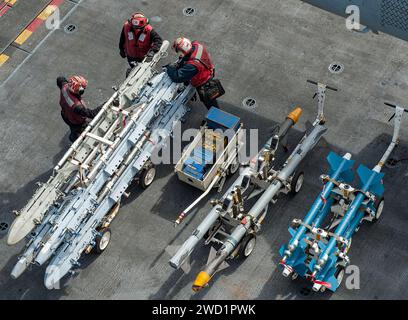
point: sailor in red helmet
(194, 66)
(73, 110)
(139, 40)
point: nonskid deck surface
(262, 49)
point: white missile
(68, 170)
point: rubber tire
(340, 269)
(294, 181)
(244, 244)
(144, 174)
(98, 239)
(377, 205)
(232, 172)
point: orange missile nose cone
(201, 281)
(295, 114)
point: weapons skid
(227, 224)
(85, 151)
(143, 124)
(319, 252)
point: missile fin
(374, 179)
(333, 284)
(335, 162)
(347, 176)
(223, 265)
(211, 256)
(282, 249)
(186, 266)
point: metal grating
(336, 68)
(394, 13)
(70, 28)
(3, 227)
(249, 102)
(189, 11)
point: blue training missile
(295, 251)
(318, 253)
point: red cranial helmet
(138, 20)
(182, 46)
(77, 84)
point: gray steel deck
(262, 49)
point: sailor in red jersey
(194, 66)
(73, 110)
(139, 40)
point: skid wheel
(248, 245)
(379, 207)
(147, 176)
(234, 166)
(102, 240)
(297, 182)
(339, 274)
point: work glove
(116, 102)
(61, 81)
(172, 65)
(166, 67)
(149, 57)
(122, 54)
